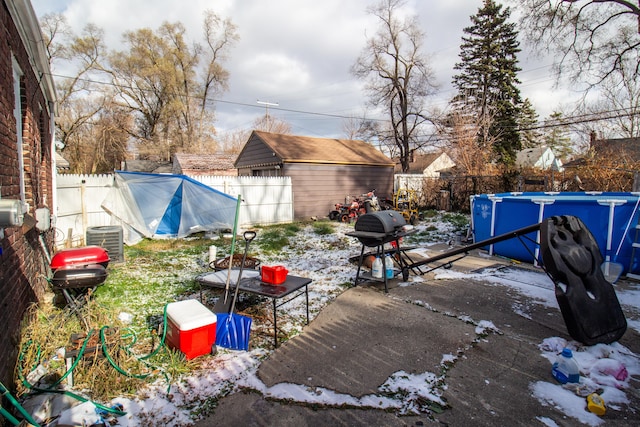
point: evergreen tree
(487, 80)
(530, 134)
(557, 137)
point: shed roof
(305, 149)
(205, 162)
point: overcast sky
(297, 53)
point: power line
(566, 121)
(221, 101)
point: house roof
(530, 156)
(619, 146)
(146, 166)
(541, 157)
(61, 162)
(627, 149)
(305, 149)
(421, 162)
(26, 21)
(205, 162)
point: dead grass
(141, 286)
(109, 358)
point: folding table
(280, 294)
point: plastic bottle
(376, 268)
(565, 369)
(388, 267)
(595, 404)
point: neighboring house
(323, 171)
(27, 164)
(622, 154)
(618, 151)
(429, 165)
(204, 164)
(150, 166)
(538, 158)
(62, 164)
(623, 149)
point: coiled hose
(103, 339)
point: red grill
(78, 271)
(80, 257)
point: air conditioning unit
(108, 237)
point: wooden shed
(323, 171)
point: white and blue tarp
(163, 205)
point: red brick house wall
(23, 262)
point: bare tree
(398, 77)
(220, 35)
(595, 38)
(360, 128)
(167, 84)
(80, 97)
(268, 123)
(56, 33)
(619, 99)
(469, 153)
(151, 78)
(232, 142)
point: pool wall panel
(511, 211)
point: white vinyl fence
(266, 200)
(409, 182)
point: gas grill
(373, 230)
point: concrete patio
(365, 335)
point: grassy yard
(125, 315)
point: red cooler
(275, 275)
(191, 328)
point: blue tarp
(159, 205)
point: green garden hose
(14, 402)
(107, 355)
(50, 389)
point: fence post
(84, 209)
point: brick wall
(23, 263)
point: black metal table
(281, 294)
(377, 240)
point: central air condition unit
(108, 237)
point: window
(18, 92)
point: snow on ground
(324, 260)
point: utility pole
(266, 106)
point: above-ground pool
(611, 218)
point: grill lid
(79, 257)
(386, 222)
